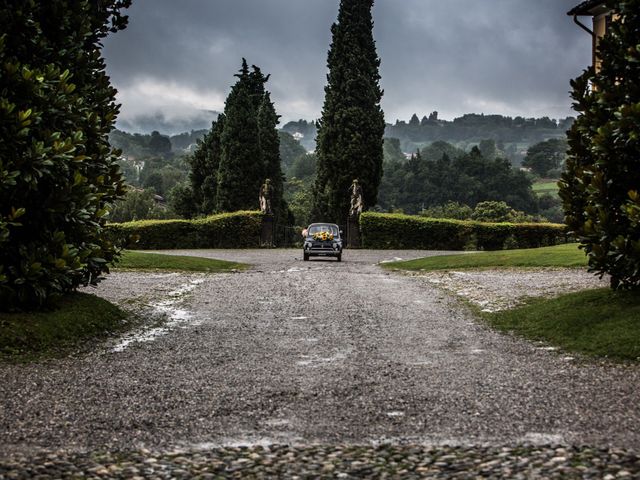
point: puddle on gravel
(177, 317)
(394, 259)
(317, 360)
(395, 414)
(542, 438)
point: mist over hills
(513, 135)
(167, 123)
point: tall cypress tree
(241, 171)
(268, 121)
(204, 168)
(350, 132)
(240, 151)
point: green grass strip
(77, 319)
(600, 323)
(558, 256)
(545, 187)
(136, 260)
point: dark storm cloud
(454, 56)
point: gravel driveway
(311, 353)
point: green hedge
(380, 230)
(226, 230)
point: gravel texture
(501, 289)
(384, 461)
(310, 354)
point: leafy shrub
(602, 177)
(454, 210)
(226, 230)
(412, 232)
(58, 174)
(491, 211)
(138, 205)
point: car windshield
(323, 228)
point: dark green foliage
(492, 211)
(304, 167)
(240, 151)
(241, 171)
(451, 210)
(392, 151)
(599, 187)
(550, 207)
(181, 200)
(159, 144)
(58, 174)
(205, 163)
(546, 156)
(138, 205)
(466, 178)
(154, 181)
(290, 149)
(138, 144)
(300, 200)
(388, 231)
(436, 150)
(352, 126)
(226, 230)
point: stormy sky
(175, 62)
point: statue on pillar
(266, 197)
(357, 202)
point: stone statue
(357, 203)
(266, 197)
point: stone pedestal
(267, 232)
(353, 232)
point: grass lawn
(545, 187)
(599, 322)
(136, 260)
(557, 256)
(79, 319)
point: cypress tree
(601, 182)
(210, 185)
(240, 151)
(268, 121)
(241, 171)
(350, 132)
(204, 168)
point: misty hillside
(514, 135)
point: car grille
(322, 246)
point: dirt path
(306, 353)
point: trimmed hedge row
(226, 230)
(387, 231)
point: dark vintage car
(322, 240)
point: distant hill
(168, 124)
(512, 134)
(140, 145)
(304, 132)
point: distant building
(602, 16)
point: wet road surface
(308, 353)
